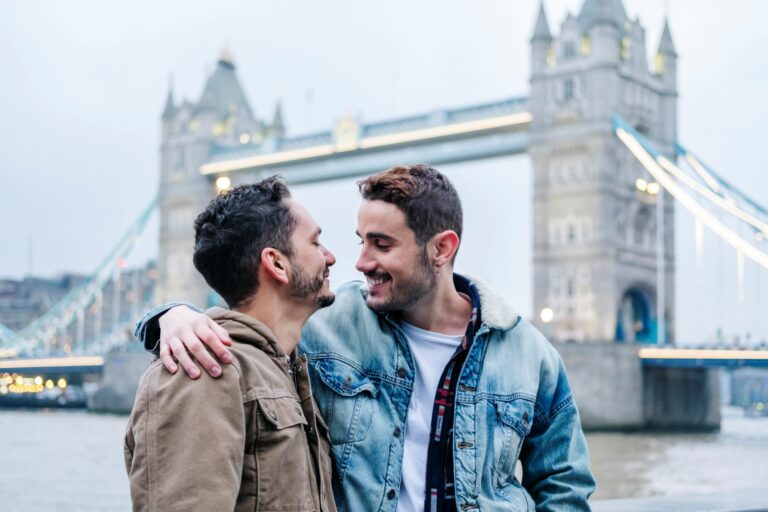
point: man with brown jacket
(252, 439)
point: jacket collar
(246, 329)
(496, 313)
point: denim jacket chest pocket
(512, 423)
(349, 395)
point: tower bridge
(600, 127)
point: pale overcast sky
(83, 84)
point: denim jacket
(513, 405)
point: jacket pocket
(513, 424)
(349, 396)
(282, 456)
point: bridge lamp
(62, 383)
(653, 188)
(49, 384)
(547, 315)
(641, 185)
(223, 183)
(245, 138)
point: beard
(408, 291)
(304, 286)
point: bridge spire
(541, 32)
(170, 107)
(666, 45)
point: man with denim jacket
(432, 387)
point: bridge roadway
(354, 149)
(649, 356)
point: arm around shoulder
(147, 330)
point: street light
(547, 315)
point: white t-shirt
(431, 352)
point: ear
(275, 264)
(446, 244)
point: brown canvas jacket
(250, 440)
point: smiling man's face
(395, 265)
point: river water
(72, 461)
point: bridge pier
(681, 398)
(614, 391)
(120, 380)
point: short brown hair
(426, 197)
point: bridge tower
(595, 245)
(191, 133)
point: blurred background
(111, 110)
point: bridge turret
(666, 71)
(603, 22)
(666, 59)
(541, 43)
(277, 128)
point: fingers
(221, 333)
(167, 359)
(198, 350)
(217, 340)
(180, 353)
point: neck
(444, 310)
(283, 316)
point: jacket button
(397, 432)
(401, 372)
(391, 494)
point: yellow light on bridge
(38, 380)
(49, 384)
(547, 315)
(53, 362)
(245, 138)
(653, 188)
(641, 185)
(688, 353)
(62, 383)
(223, 183)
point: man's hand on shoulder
(184, 334)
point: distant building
(24, 300)
(121, 302)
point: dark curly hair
(426, 197)
(234, 229)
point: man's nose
(364, 263)
(330, 259)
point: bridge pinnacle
(542, 32)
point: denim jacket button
(397, 432)
(391, 494)
(401, 372)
